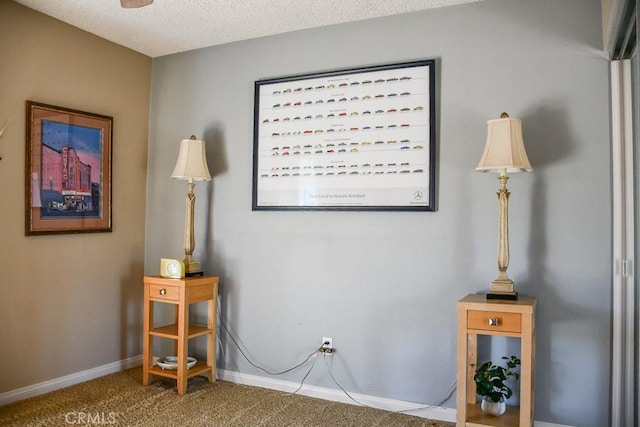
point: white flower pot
(488, 406)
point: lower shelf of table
(477, 418)
(198, 369)
(171, 331)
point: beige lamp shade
(192, 161)
(129, 4)
(504, 150)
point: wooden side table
(180, 293)
(479, 316)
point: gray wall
(384, 285)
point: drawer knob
(163, 291)
(493, 321)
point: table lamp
(504, 152)
(192, 166)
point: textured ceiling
(171, 26)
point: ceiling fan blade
(128, 4)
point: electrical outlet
(327, 345)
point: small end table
(181, 293)
(479, 316)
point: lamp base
(502, 288)
(501, 285)
(504, 296)
(191, 267)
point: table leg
(147, 342)
(527, 350)
(211, 338)
(461, 378)
(183, 342)
(472, 365)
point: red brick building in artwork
(66, 181)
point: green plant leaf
(490, 379)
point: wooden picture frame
(357, 139)
(68, 170)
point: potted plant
(491, 384)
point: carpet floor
(120, 399)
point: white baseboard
(68, 380)
(424, 411)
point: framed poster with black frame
(357, 139)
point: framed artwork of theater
(355, 139)
(68, 170)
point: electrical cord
(342, 388)
(304, 378)
(446, 397)
(260, 367)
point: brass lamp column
(192, 166)
(504, 152)
(502, 283)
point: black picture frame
(355, 139)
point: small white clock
(171, 268)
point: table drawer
(494, 321)
(171, 293)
